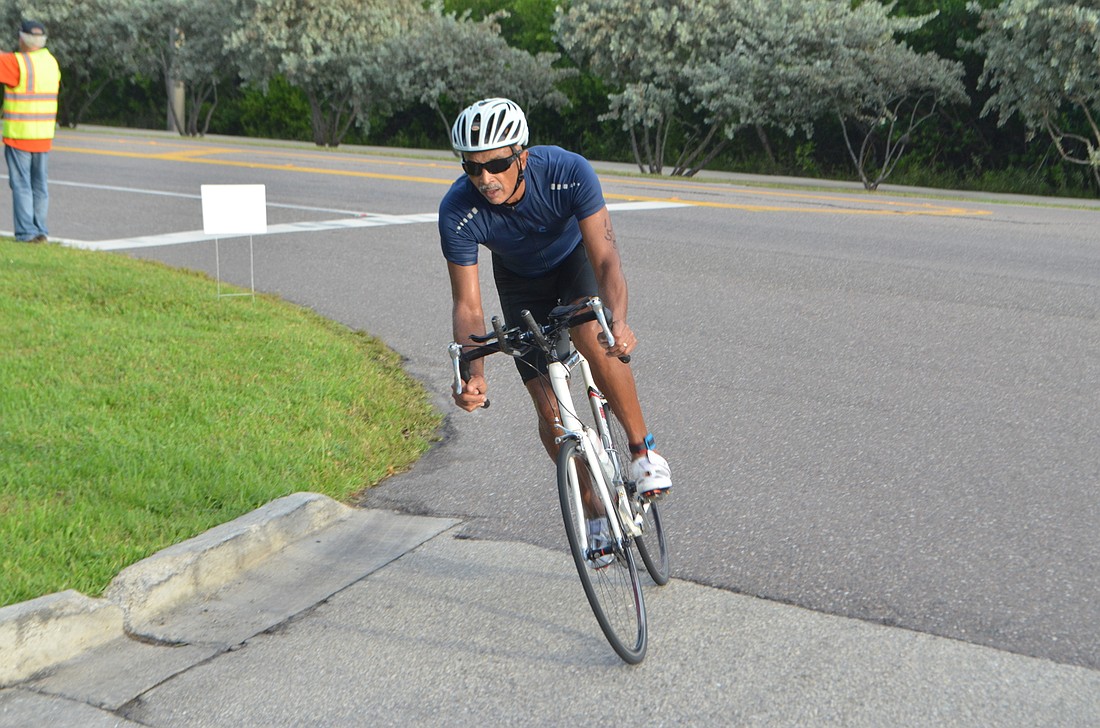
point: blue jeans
(27, 177)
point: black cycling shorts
(570, 281)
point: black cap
(33, 27)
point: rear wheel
(614, 590)
(651, 544)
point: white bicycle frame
(590, 442)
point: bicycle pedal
(656, 496)
(600, 558)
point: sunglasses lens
(496, 166)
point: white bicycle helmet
(489, 124)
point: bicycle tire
(614, 591)
(652, 544)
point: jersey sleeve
(588, 195)
(455, 234)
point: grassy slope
(137, 409)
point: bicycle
(592, 468)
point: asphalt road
(875, 406)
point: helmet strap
(519, 181)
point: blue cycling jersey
(535, 235)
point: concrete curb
(203, 564)
(42, 633)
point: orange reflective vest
(30, 108)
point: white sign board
(234, 209)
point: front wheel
(613, 589)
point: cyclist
(541, 213)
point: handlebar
(517, 340)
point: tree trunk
(766, 143)
(177, 103)
(317, 119)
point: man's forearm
(465, 323)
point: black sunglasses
(493, 166)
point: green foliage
(711, 83)
(801, 60)
(791, 61)
(640, 48)
(136, 102)
(178, 38)
(447, 62)
(86, 37)
(328, 48)
(524, 24)
(1042, 60)
(280, 111)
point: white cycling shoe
(652, 475)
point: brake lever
(455, 350)
(502, 340)
(533, 327)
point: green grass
(138, 409)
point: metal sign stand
(251, 271)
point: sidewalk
(334, 629)
(70, 660)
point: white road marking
(357, 220)
(196, 236)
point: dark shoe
(600, 543)
(39, 239)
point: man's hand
(473, 393)
(625, 341)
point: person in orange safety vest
(31, 80)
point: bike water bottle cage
(647, 445)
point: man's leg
(543, 398)
(546, 409)
(40, 191)
(616, 380)
(19, 179)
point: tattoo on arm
(609, 234)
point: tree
(185, 42)
(85, 37)
(1042, 61)
(328, 48)
(788, 64)
(771, 64)
(640, 48)
(447, 62)
(888, 90)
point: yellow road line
(924, 209)
(893, 207)
(193, 158)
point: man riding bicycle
(549, 232)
